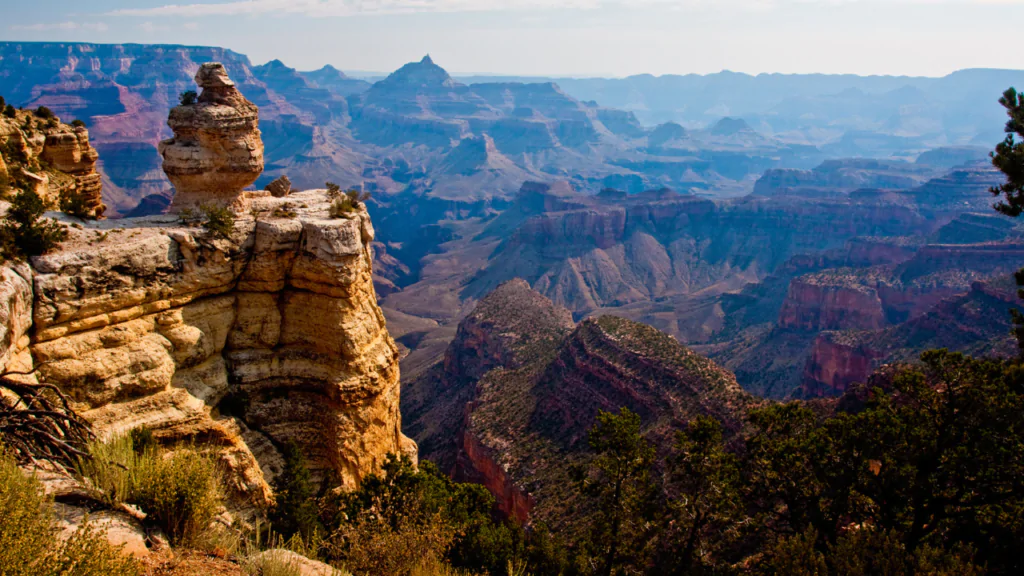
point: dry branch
(38, 424)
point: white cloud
(355, 7)
(91, 26)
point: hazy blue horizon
(557, 38)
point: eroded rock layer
(52, 159)
(245, 344)
(216, 150)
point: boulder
(280, 188)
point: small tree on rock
(24, 232)
(188, 98)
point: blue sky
(558, 37)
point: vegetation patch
(30, 542)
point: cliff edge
(243, 339)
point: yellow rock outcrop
(242, 343)
(50, 158)
(216, 150)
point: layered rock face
(242, 341)
(975, 322)
(51, 158)
(216, 150)
(522, 387)
(70, 152)
(269, 337)
(842, 299)
(837, 177)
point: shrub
(295, 511)
(77, 123)
(110, 469)
(270, 564)
(333, 190)
(74, 204)
(44, 113)
(188, 98)
(23, 233)
(179, 493)
(341, 206)
(356, 197)
(29, 536)
(284, 211)
(9, 111)
(142, 440)
(218, 220)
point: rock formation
(50, 158)
(520, 388)
(975, 322)
(242, 342)
(216, 151)
(280, 188)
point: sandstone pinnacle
(216, 151)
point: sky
(608, 38)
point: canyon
(535, 256)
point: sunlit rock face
(216, 151)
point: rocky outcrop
(521, 388)
(50, 158)
(836, 177)
(505, 331)
(242, 340)
(975, 322)
(836, 362)
(247, 343)
(280, 187)
(67, 149)
(833, 300)
(216, 150)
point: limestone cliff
(241, 342)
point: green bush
(29, 536)
(295, 510)
(3, 102)
(9, 111)
(188, 98)
(217, 220)
(344, 203)
(23, 231)
(77, 123)
(179, 493)
(44, 113)
(333, 190)
(341, 206)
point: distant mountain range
(961, 107)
